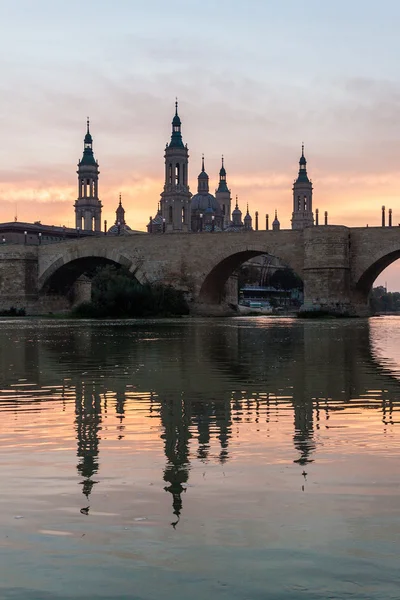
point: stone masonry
(337, 264)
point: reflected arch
(213, 287)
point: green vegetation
(281, 278)
(13, 312)
(382, 301)
(117, 294)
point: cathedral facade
(179, 210)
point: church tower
(120, 214)
(302, 197)
(176, 197)
(223, 196)
(88, 206)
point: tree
(116, 293)
(285, 279)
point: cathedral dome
(202, 202)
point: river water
(246, 458)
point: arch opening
(215, 287)
(367, 279)
(62, 281)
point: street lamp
(212, 222)
(3, 240)
(78, 231)
(26, 236)
(163, 225)
(40, 237)
(119, 227)
(201, 222)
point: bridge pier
(327, 274)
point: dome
(237, 211)
(247, 217)
(202, 202)
(176, 122)
(124, 229)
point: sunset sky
(254, 79)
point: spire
(303, 177)
(88, 156)
(222, 187)
(202, 179)
(247, 219)
(120, 213)
(176, 137)
(237, 215)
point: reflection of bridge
(338, 265)
(243, 369)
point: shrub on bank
(13, 312)
(117, 294)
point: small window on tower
(183, 214)
(298, 203)
(87, 181)
(177, 181)
(170, 214)
(170, 174)
(223, 209)
(305, 203)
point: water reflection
(199, 386)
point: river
(245, 458)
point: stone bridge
(337, 264)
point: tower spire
(202, 163)
(302, 215)
(176, 137)
(88, 206)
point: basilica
(178, 210)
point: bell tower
(88, 206)
(176, 196)
(302, 197)
(223, 196)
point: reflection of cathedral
(88, 423)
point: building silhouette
(88, 206)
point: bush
(13, 312)
(117, 294)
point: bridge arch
(224, 265)
(374, 269)
(67, 267)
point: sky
(254, 79)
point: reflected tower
(88, 424)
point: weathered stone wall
(18, 276)
(327, 269)
(337, 264)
